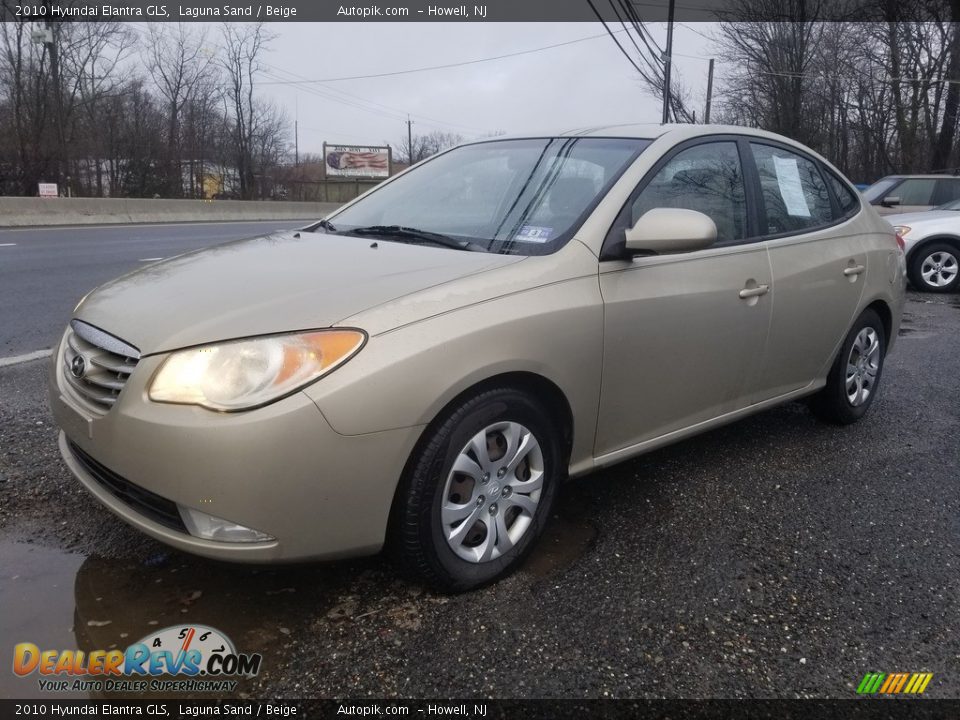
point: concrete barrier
(24, 211)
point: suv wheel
(936, 268)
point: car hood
(915, 217)
(275, 283)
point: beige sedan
(423, 368)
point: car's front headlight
(902, 230)
(244, 374)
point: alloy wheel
(939, 269)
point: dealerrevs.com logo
(193, 658)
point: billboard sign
(48, 190)
(356, 161)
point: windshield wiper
(325, 224)
(399, 231)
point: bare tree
(27, 94)
(243, 44)
(875, 96)
(179, 61)
(91, 55)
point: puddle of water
(62, 601)
(564, 541)
(567, 537)
(36, 594)
(67, 602)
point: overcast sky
(585, 83)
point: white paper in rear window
(791, 189)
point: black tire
(946, 251)
(832, 403)
(417, 534)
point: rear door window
(795, 196)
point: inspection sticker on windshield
(533, 234)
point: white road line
(17, 359)
(7, 244)
(149, 259)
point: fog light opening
(209, 527)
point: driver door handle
(754, 291)
(855, 270)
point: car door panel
(819, 279)
(681, 345)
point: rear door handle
(855, 270)
(754, 291)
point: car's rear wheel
(478, 491)
(855, 375)
(936, 268)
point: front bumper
(280, 469)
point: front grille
(96, 365)
(148, 504)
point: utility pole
(706, 115)
(409, 140)
(296, 130)
(667, 62)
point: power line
(398, 113)
(357, 102)
(610, 32)
(448, 65)
(624, 25)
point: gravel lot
(777, 557)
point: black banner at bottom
(861, 709)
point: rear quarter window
(847, 200)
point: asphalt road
(45, 271)
(777, 557)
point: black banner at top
(483, 11)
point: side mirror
(890, 201)
(671, 230)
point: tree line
(876, 96)
(105, 109)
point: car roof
(672, 134)
(927, 176)
(651, 131)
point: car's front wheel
(478, 491)
(936, 268)
(855, 375)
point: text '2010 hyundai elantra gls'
(421, 369)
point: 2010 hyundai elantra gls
(421, 369)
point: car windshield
(522, 197)
(952, 205)
(879, 189)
